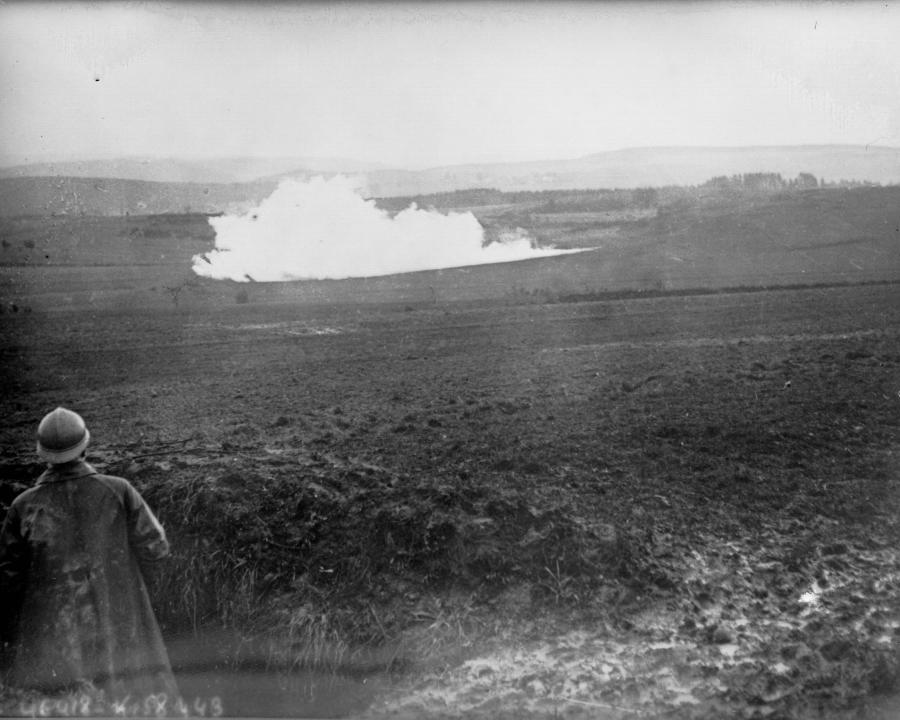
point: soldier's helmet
(62, 436)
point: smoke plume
(323, 229)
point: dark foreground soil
(679, 507)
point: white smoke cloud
(323, 229)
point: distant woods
(722, 187)
(762, 182)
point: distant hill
(175, 170)
(105, 196)
(139, 186)
(646, 167)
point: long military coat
(71, 552)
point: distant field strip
(290, 328)
(603, 216)
(723, 342)
(837, 243)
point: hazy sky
(416, 85)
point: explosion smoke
(323, 229)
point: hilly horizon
(625, 168)
(140, 186)
(650, 167)
(225, 170)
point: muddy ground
(680, 507)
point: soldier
(73, 551)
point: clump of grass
(444, 627)
(304, 636)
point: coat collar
(69, 471)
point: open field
(674, 504)
(639, 481)
(832, 236)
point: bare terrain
(605, 485)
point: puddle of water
(729, 650)
(811, 597)
(220, 673)
(270, 694)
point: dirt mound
(333, 533)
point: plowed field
(672, 506)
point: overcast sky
(419, 85)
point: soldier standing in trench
(75, 609)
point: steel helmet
(62, 436)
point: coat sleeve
(13, 568)
(145, 534)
